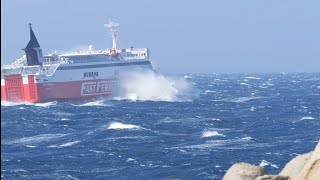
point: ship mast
(112, 26)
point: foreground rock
(311, 170)
(273, 177)
(243, 171)
(302, 167)
(293, 168)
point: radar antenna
(112, 26)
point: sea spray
(151, 86)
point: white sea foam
(68, 144)
(247, 138)
(65, 119)
(244, 99)
(7, 103)
(211, 134)
(307, 118)
(93, 103)
(244, 84)
(149, 86)
(129, 159)
(36, 139)
(252, 77)
(118, 126)
(266, 163)
(208, 91)
(47, 104)
(31, 146)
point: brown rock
(273, 177)
(243, 171)
(293, 167)
(311, 170)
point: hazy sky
(183, 36)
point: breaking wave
(36, 139)
(211, 134)
(93, 103)
(150, 86)
(68, 144)
(7, 103)
(118, 125)
(47, 104)
(307, 118)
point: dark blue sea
(190, 126)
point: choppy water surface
(194, 128)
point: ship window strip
(102, 65)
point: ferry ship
(75, 75)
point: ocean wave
(68, 144)
(150, 86)
(211, 134)
(252, 77)
(307, 118)
(36, 139)
(47, 104)
(243, 99)
(7, 103)
(119, 126)
(266, 163)
(93, 103)
(208, 91)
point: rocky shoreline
(302, 167)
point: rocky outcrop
(273, 177)
(311, 170)
(293, 168)
(243, 171)
(302, 167)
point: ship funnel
(33, 50)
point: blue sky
(208, 36)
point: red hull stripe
(14, 90)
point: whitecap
(47, 104)
(244, 99)
(211, 134)
(248, 138)
(8, 103)
(307, 118)
(208, 91)
(266, 163)
(93, 103)
(36, 139)
(252, 77)
(129, 159)
(68, 144)
(31, 146)
(216, 119)
(118, 126)
(244, 84)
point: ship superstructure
(74, 75)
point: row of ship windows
(90, 74)
(142, 54)
(102, 65)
